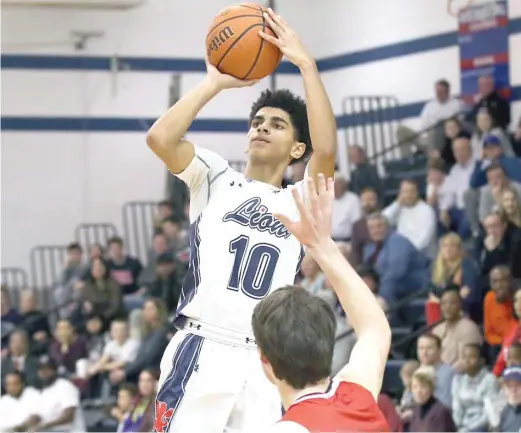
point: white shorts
(212, 383)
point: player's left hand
(314, 227)
(287, 40)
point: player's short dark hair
(295, 331)
(292, 104)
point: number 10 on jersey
(253, 267)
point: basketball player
(295, 334)
(211, 377)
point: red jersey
(345, 407)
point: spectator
(440, 193)
(459, 181)
(429, 354)
(169, 281)
(364, 174)
(442, 107)
(469, 391)
(487, 129)
(165, 210)
(502, 245)
(513, 336)
(96, 338)
(119, 351)
(141, 417)
(453, 131)
(152, 346)
(9, 314)
(177, 238)
(498, 310)
(492, 152)
(372, 279)
(313, 280)
(123, 269)
(412, 217)
(456, 331)
(401, 268)
(489, 98)
(510, 419)
(58, 407)
(68, 291)
(514, 355)
(127, 394)
(407, 400)
(67, 348)
(429, 414)
(159, 246)
(19, 359)
(510, 206)
(35, 323)
(16, 403)
(101, 293)
(451, 267)
(346, 210)
(360, 235)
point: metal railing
(15, 280)
(46, 262)
(89, 234)
(371, 122)
(138, 227)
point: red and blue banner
(483, 45)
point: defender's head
(279, 129)
(295, 335)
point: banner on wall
(483, 47)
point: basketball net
(455, 7)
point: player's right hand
(223, 81)
(314, 227)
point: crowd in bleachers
(442, 253)
(449, 243)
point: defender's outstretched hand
(314, 227)
(287, 40)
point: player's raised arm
(165, 137)
(321, 118)
(369, 356)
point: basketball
(234, 46)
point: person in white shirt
(442, 107)
(413, 218)
(459, 181)
(17, 405)
(119, 351)
(346, 210)
(440, 194)
(58, 408)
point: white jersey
(239, 252)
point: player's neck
(289, 395)
(265, 173)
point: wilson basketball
(234, 46)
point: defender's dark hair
(295, 331)
(295, 106)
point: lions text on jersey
(239, 252)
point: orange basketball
(234, 46)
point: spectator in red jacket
(514, 336)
